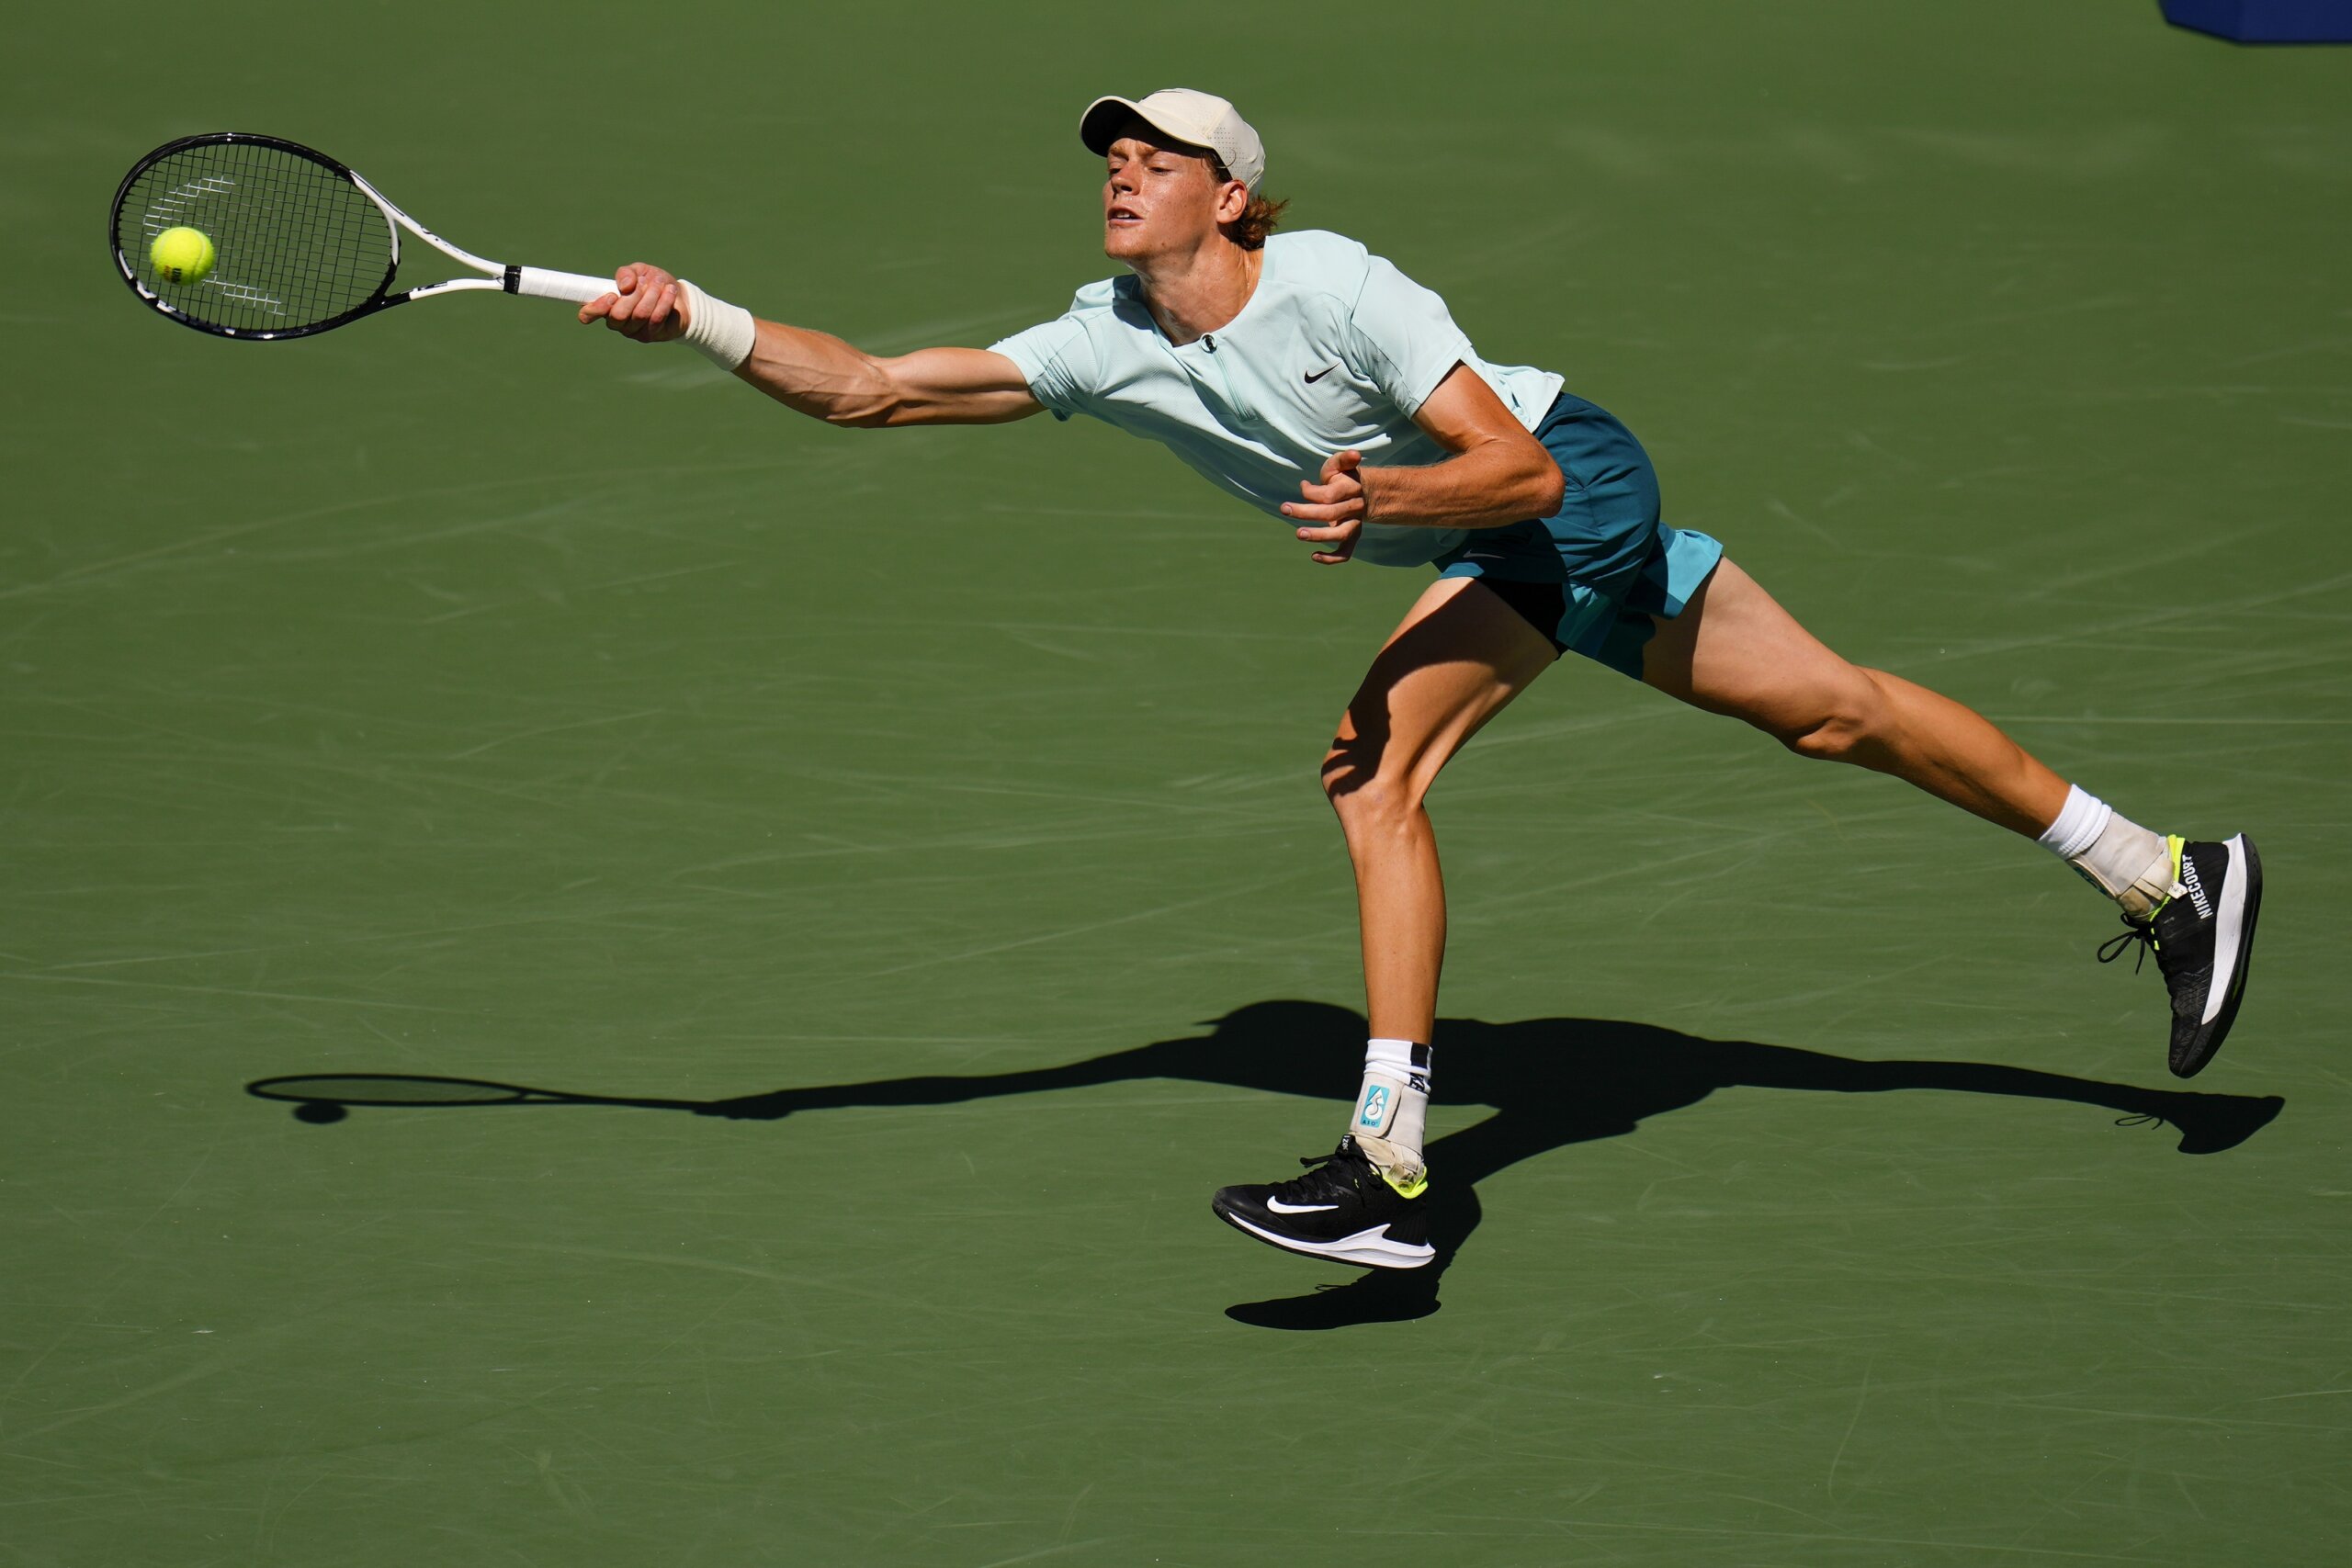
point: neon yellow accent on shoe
(1414, 1187)
(2174, 846)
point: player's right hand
(1332, 513)
(645, 306)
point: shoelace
(2142, 931)
(1322, 1179)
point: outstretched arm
(819, 375)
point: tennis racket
(301, 243)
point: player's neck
(1198, 292)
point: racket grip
(538, 283)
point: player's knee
(1844, 724)
(1348, 767)
(1370, 803)
(1830, 741)
(1340, 767)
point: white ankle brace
(1391, 1109)
(2115, 854)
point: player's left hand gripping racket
(301, 243)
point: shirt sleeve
(1056, 359)
(1404, 337)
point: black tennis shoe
(2204, 938)
(1343, 1208)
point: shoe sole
(2232, 945)
(1367, 1250)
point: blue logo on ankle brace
(1375, 1107)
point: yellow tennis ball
(181, 255)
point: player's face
(1157, 200)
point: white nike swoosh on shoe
(1277, 1206)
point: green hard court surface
(932, 819)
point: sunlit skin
(1461, 654)
(1161, 209)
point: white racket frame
(534, 282)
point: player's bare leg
(1733, 650)
(1457, 660)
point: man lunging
(1316, 382)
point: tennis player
(1319, 384)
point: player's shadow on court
(1552, 1082)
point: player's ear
(1232, 201)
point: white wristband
(720, 332)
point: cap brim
(1095, 125)
(1103, 115)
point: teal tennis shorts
(1590, 576)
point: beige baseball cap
(1197, 119)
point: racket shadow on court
(1552, 1082)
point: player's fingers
(1333, 557)
(1345, 488)
(1339, 512)
(638, 292)
(1336, 534)
(596, 309)
(648, 281)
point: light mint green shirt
(1336, 350)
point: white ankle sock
(1391, 1109)
(2115, 854)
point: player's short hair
(1260, 218)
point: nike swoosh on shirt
(1320, 374)
(1279, 1207)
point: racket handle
(539, 283)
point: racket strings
(295, 242)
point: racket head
(387, 1089)
(299, 246)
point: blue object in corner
(2265, 21)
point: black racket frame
(379, 300)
